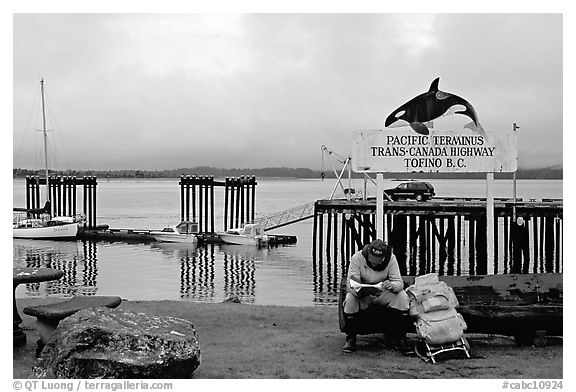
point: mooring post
(212, 205)
(253, 197)
(315, 230)
(207, 181)
(241, 201)
(237, 207)
(226, 187)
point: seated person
(375, 263)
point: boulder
(111, 343)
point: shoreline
(246, 341)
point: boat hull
(59, 232)
(239, 239)
(174, 237)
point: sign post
(380, 206)
(456, 151)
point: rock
(111, 343)
(233, 299)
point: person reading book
(374, 278)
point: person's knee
(351, 304)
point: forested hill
(555, 172)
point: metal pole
(45, 139)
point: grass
(276, 342)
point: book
(365, 289)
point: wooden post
(471, 247)
(206, 203)
(320, 236)
(212, 206)
(253, 197)
(489, 217)
(237, 209)
(328, 233)
(380, 205)
(192, 187)
(226, 191)
(315, 231)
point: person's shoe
(350, 345)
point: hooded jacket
(360, 271)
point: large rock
(110, 343)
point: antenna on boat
(44, 131)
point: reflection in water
(90, 270)
(239, 271)
(196, 269)
(61, 255)
(327, 277)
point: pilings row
(197, 200)
(445, 242)
(63, 195)
(239, 201)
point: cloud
(174, 90)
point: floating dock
(143, 235)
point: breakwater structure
(197, 203)
(64, 193)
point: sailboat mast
(45, 139)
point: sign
(459, 151)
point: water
(283, 275)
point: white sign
(461, 151)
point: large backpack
(434, 303)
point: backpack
(441, 326)
(430, 298)
(434, 303)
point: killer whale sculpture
(419, 112)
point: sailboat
(38, 223)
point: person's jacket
(360, 271)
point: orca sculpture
(419, 112)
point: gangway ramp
(286, 217)
(293, 215)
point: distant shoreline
(549, 173)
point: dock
(143, 235)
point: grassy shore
(270, 342)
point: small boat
(250, 234)
(44, 227)
(183, 232)
(36, 223)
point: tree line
(276, 172)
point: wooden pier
(446, 235)
(518, 291)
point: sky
(162, 91)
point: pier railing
(289, 216)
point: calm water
(284, 275)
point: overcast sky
(160, 91)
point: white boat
(37, 223)
(183, 232)
(44, 228)
(250, 234)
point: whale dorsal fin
(434, 85)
